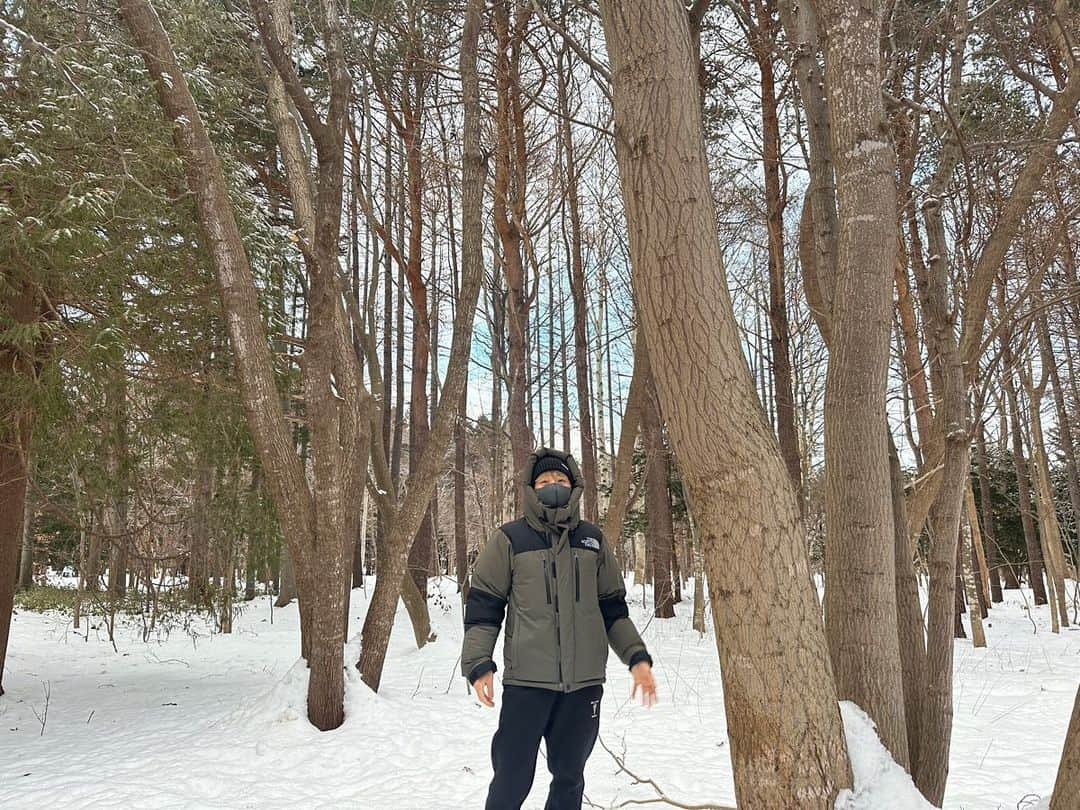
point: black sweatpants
(568, 722)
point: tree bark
(16, 424)
(762, 34)
(589, 469)
(624, 466)
(510, 18)
(986, 506)
(320, 525)
(657, 498)
(860, 594)
(1023, 485)
(26, 560)
(1067, 786)
(771, 643)
(402, 522)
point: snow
(879, 781)
(200, 721)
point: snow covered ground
(218, 721)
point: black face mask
(554, 495)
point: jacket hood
(542, 517)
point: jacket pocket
(547, 583)
(590, 645)
(577, 579)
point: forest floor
(211, 720)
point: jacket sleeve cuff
(481, 669)
(638, 657)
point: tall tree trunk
(461, 551)
(577, 292)
(910, 629)
(1049, 529)
(986, 506)
(1067, 786)
(772, 646)
(1031, 539)
(860, 595)
(1065, 439)
(404, 520)
(16, 424)
(510, 18)
(319, 524)
(624, 465)
(199, 554)
(763, 43)
(26, 560)
(657, 498)
(116, 507)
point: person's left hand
(643, 679)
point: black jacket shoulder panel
(523, 537)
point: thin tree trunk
(968, 531)
(1031, 539)
(624, 466)
(510, 19)
(657, 498)
(910, 627)
(763, 40)
(993, 552)
(16, 424)
(26, 561)
(404, 520)
(577, 292)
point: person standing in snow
(567, 603)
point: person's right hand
(485, 688)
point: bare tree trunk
(1031, 539)
(993, 553)
(910, 629)
(510, 19)
(860, 595)
(26, 561)
(319, 537)
(577, 292)
(768, 626)
(1049, 530)
(1065, 439)
(624, 466)
(1067, 786)
(977, 558)
(16, 424)
(763, 45)
(657, 498)
(461, 551)
(403, 521)
(199, 553)
(968, 530)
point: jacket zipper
(577, 580)
(558, 640)
(547, 585)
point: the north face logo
(591, 542)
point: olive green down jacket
(556, 580)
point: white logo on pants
(595, 708)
